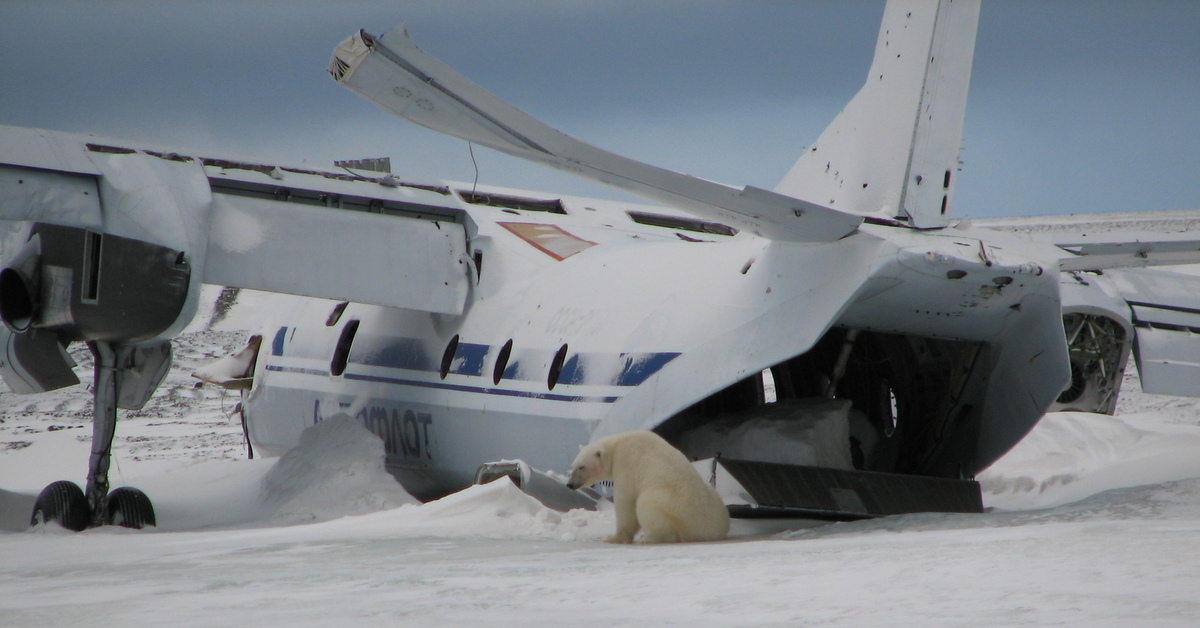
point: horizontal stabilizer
(392, 72)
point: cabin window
(556, 367)
(448, 356)
(336, 314)
(341, 354)
(501, 362)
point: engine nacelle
(68, 284)
(89, 286)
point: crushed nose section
(765, 489)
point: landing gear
(129, 508)
(64, 503)
(77, 509)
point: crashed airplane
(837, 347)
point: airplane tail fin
(892, 152)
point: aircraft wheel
(130, 508)
(64, 502)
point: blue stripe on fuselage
(398, 352)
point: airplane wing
(1095, 242)
(392, 72)
(1127, 250)
(259, 226)
(107, 242)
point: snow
(1093, 520)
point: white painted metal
(345, 255)
(478, 332)
(395, 74)
(887, 154)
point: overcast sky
(1075, 106)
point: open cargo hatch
(766, 489)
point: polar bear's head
(591, 465)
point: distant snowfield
(1093, 520)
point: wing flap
(1128, 251)
(1114, 240)
(392, 72)
(353, 256)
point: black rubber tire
(129, 508)
(62, 502)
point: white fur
(655, 490)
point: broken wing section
(892, 152)
(392, 72)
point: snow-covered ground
(1094, 521)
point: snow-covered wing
(392, 72)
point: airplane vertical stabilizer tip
(893, 150)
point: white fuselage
(613, 325)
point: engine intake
(19, 287)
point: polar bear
(655, 489)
